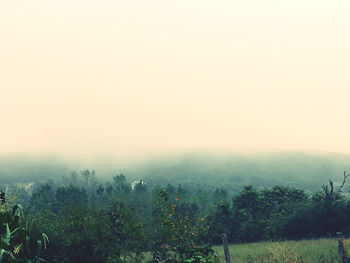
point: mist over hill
(302, 170)
(21, 168)
(194, 170)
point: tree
(124, 231)
(178, 228)
(248, 209)
(221, 220)
(42, 198)
(280, 203)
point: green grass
(311, 251)
(303, 251)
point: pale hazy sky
(157, 75)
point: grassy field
(308, 251)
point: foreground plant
(16, 242)
(179, 230)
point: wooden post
(341, 251)
(227, 253)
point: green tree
(248, 209)
(178, 227)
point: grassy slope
(311, 251)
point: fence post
(342, 253)
(227, 253)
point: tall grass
(307, 251)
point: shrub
(17, 243)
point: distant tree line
(119, 221)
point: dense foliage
(18, 243)
(118, 221)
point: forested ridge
(306, 170)
(118, 220)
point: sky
(119, 77)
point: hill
(231, 171)
(195, 170)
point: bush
(17, 242)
